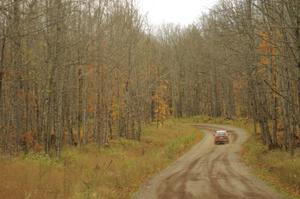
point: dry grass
(276, 167)
(113, 172)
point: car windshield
(221, 133)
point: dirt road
(208, 171)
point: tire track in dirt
(179, 178)
(209, 171)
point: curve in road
(209, 171)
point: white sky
(182, 12)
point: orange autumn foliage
(162, 109)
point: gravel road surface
(208, 171)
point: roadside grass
(277, 168)
(113, 172)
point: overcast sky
(182, 12)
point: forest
(91, 71)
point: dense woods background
(75, 72)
